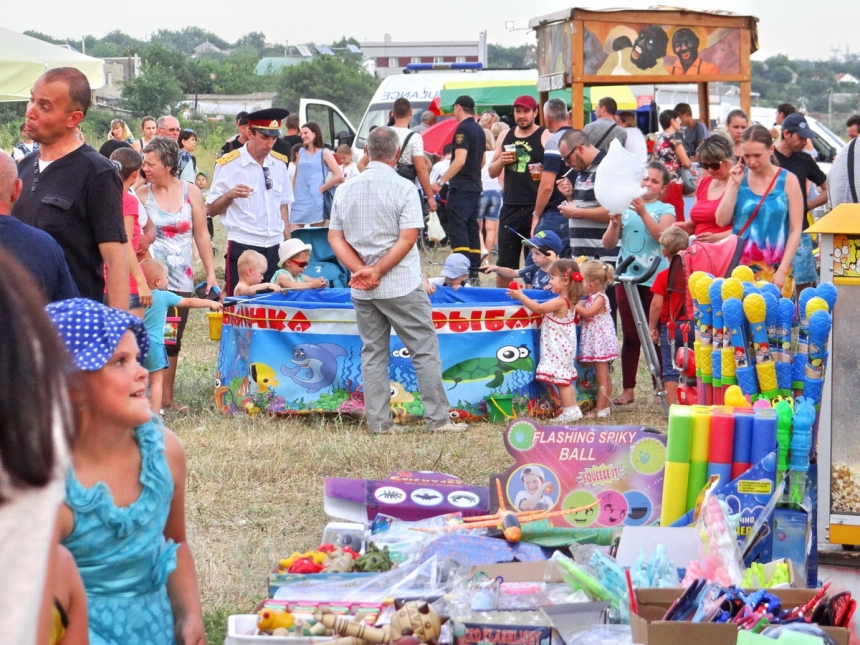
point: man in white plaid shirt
(375, 222)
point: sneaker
(599, 414)
(450, 426)
(569, 417)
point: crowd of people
(108, 238)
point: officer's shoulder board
(279, 156)
(230, 156)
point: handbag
(435, 232)
(687, 180)
(328, 195)
(760, 202)
(405, 170)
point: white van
(419, 87)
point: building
(230, 106)
(847, 78)
(116, 72)
(392, 57)
(205, 48)
(274, 64)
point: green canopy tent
(23, 59)
(500, 95)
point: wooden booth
(579, 48)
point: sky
(807, 33)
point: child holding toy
(124, 516)
(638, 228)
(154, 318)
(558, 334)
(673, 240)
(598, 342)
(293, 258)
(533, 497)
(545, 246)
(454, 274)
(251, 267)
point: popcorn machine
(838, 438)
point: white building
(391, 57)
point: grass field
(255, 485)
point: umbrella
(437, 136)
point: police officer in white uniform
(252, 193)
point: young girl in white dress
(598, 340)
(558, 334)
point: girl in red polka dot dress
(558, 334)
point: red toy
(305, 565)
(514, 285)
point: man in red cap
(520, 154)
(252, 193)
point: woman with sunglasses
(764, 205)
(716, 158)
(177, 210)
(317, 170)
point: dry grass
(255, 485)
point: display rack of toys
(751, 323)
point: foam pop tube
(814, 304)
(820, 323)
(828, 293)
(733, 316)
(801, 446)
(692, 283)
(764, 434)
(699, 446)
(696, 481)
(716, 297)
(784, 415)
(720, 446)
(785, 315)
(679, 442)
(705, 337)
(756, 312)
(799, 362)
(742, 442)
(732, 288)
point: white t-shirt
(349, 171)
(439, 169)
(487, 182)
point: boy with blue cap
(545, 245)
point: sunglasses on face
(301, 265)
(711, 166)
(268, 179)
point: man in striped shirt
(375, 221)
(588, 219)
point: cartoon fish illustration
(262, 378)
(316, 365)
(508, 359)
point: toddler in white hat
(293, 258)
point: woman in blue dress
(124, 516)
(317, 170)
(764, 205)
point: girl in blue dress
(124, 515)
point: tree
(45, 37)
(507, 57)
(331, 78)
(254, 41)
(156, 91)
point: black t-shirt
(230, 145)
(37, 252)
(470, 137)
(520, 189)
(802, 166)
(289, 140)
(78, 201)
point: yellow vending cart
(839, 429)
(579, 48)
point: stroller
(640, 318)
(718, 259)
(323, 261)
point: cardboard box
(648, 629)
(546, 571)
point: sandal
(621, 400)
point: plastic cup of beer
(536, 170)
